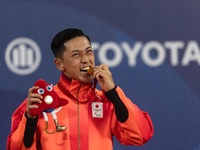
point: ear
(59, 64)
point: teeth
(86, 68)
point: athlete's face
(78, 56)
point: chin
(87, 80)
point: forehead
(78, 43)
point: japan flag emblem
(97, 109)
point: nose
(85, 59)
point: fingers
(101, 71)
(32, 89)
(34, 95)
(35, 99)
(102, 67)
(104, 76)
(32, 106)
(32, 99)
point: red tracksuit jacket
(87, 128)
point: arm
(20, 129)
(129, 124)
(134, 128)
(17, 127)
(120, 109)
(23, 126)
(29, 132)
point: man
(91, 117)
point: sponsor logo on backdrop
(178, 53)
(23, 56)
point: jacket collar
(80, 91)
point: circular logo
(48, 99)
(22, 56)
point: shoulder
(21, 109)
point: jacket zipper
(79, 144)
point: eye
(41, 91)
(49, 88)
(75, 54)
(89, 51)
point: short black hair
(57, 44)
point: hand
(32, 98)
(104, 76)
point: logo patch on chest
(97, 109)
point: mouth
(84, 69)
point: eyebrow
(79, 50)
(88, 47)
(74, 51)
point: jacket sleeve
(136, 128)
(15, 139)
